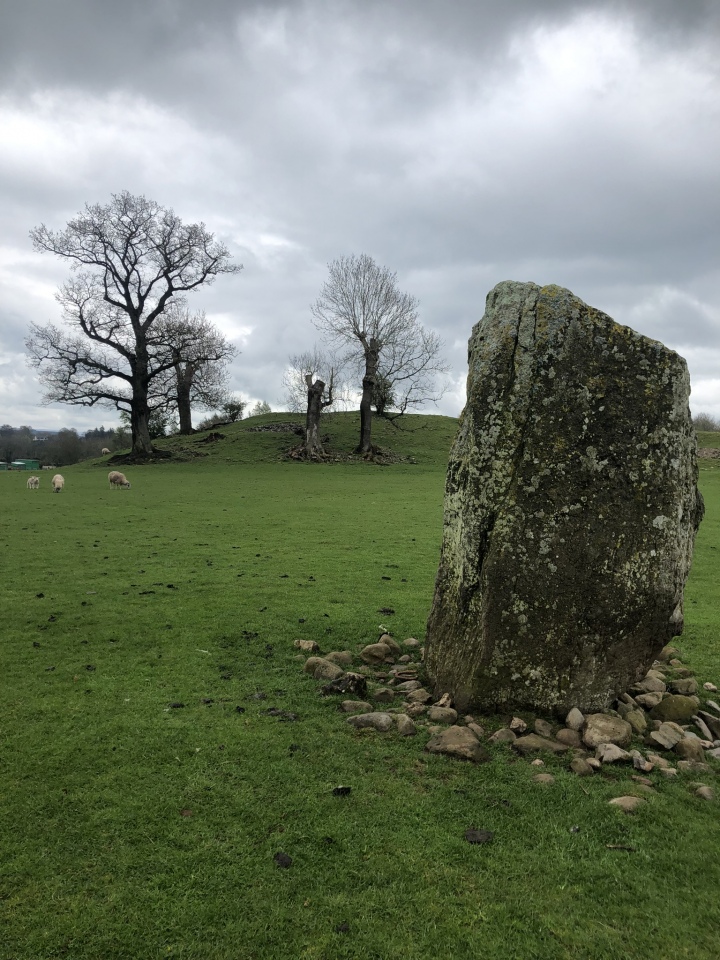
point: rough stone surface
(611, 753)
(649, 700)
(546, 778)
(458, 742)
(505, 735)
(686, 687)
(307, 646)
(321, 669)
(666, 736)
(543, 728)
(442, 715)
(518, 725)
(343, 658)
(355, 706)
(375, 653)
(705, 793)
(575, 720)
(711, 722)
(405, 726)
(420, 695)
(394, 646)
(415, 709)
(690, 749)
(600, 728)
(627, 804)
(638, 721)
(476, 729)
(581, 767)
(407, 686)
(571, 507)
(382, 722)
(533, 743)
(675, 707)
(571, 738)
(383, 695)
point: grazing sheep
(33, 483)
(58, 482)
(118, 479)
(105, 451)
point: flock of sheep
(57, 483)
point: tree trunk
(313, 446)
(139, 410)
(372, 355)
(184, 386)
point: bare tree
(361, 308)
(129, 259)
(200, 355)
(319, 365)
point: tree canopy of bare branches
(199, 375)
(129, 259)
(362, 310)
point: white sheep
(105, 451)
(118, 479)
(33, 483)
(58, 482)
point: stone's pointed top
(571, 508)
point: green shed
(25, 464)
(3, 465)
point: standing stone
(571, 507)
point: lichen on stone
(571, 507)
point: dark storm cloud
(459, 143)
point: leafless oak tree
(361, 309)
(129, 259)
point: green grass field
(132, 827)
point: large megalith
(571, 507)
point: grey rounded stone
(627, 804)
(690, 749)
(407, 686)
(355, 706)
(638, 722)
(581, 767)
(321, 669)
(458, 742)
(375, 653)
(343, 658)
(394, 646)
(684, 687)
(543, 728)
(405, 726)
(575, 719)
(382, 722)
(442, 715)
(420, 695)
(503, 736)
(611, 753)
(600, 728)
(675, 707)
(383, 695)
(571, 738)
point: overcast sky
(458, 142)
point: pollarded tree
(200, 355)
(318, 365)
(129, 259)
(361, 309)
